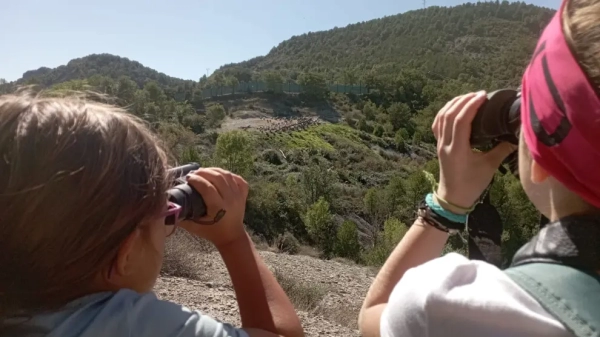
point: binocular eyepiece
(191, 202)
(498, 119)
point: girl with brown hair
(82, 229)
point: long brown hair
(76, 177)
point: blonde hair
(76, 178)
(581, 26)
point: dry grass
(343, 315)
(183, 258)
(308, 297)
(181, 255)
(304, 296)
(345, 261)
(309, 251)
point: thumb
(496, 156)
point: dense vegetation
(485, 44)
(351, 187)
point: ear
(123, 265)
(538, 174)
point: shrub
(180, 258)
(272, 156)
(347, 244)
(378, 131)
(287, 243)
(304, 296)
(215, 114)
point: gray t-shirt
(127, 313)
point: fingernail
(187, 177)
(480, 94)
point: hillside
(103, 65)
(486, 40)
(350, 165)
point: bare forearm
(263, 303)
(421, 243)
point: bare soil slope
(327, 294)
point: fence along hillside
(288, 87)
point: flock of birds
(285, 124)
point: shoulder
(152, 316)
(128, 313)
(452, 295)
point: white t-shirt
(454, 296)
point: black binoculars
(498, 119)
(191, 202)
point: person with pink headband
(419, 293)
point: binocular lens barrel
(191, 202)
(498, 119)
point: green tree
(140, 101)
(319, 224)
(203, 81)
(399, 115)
(215, 114)
(416, 186)
(5, 87)
(370, 110)
(400, 143)
(317, 182)
(155, 93)
(194, 122)
(267, 214)
(235, 152)
(404, 133)
(371, 203)
(394, 196)
(218, 80)
(176, 137)
(273, 81)
(103, 84)
(347, 244)
(126, 89)
(189, 155)
(363, 125)
(349, 77)
(70, 86)
(416, 141)
(393, 231)
(378, 131)
(232, 82)
(313, 85)
(388, 129)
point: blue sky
(181, 38)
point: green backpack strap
(571, 295)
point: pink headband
(560, 114)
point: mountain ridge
(472, 39)
(99, 64)
(481, 34)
